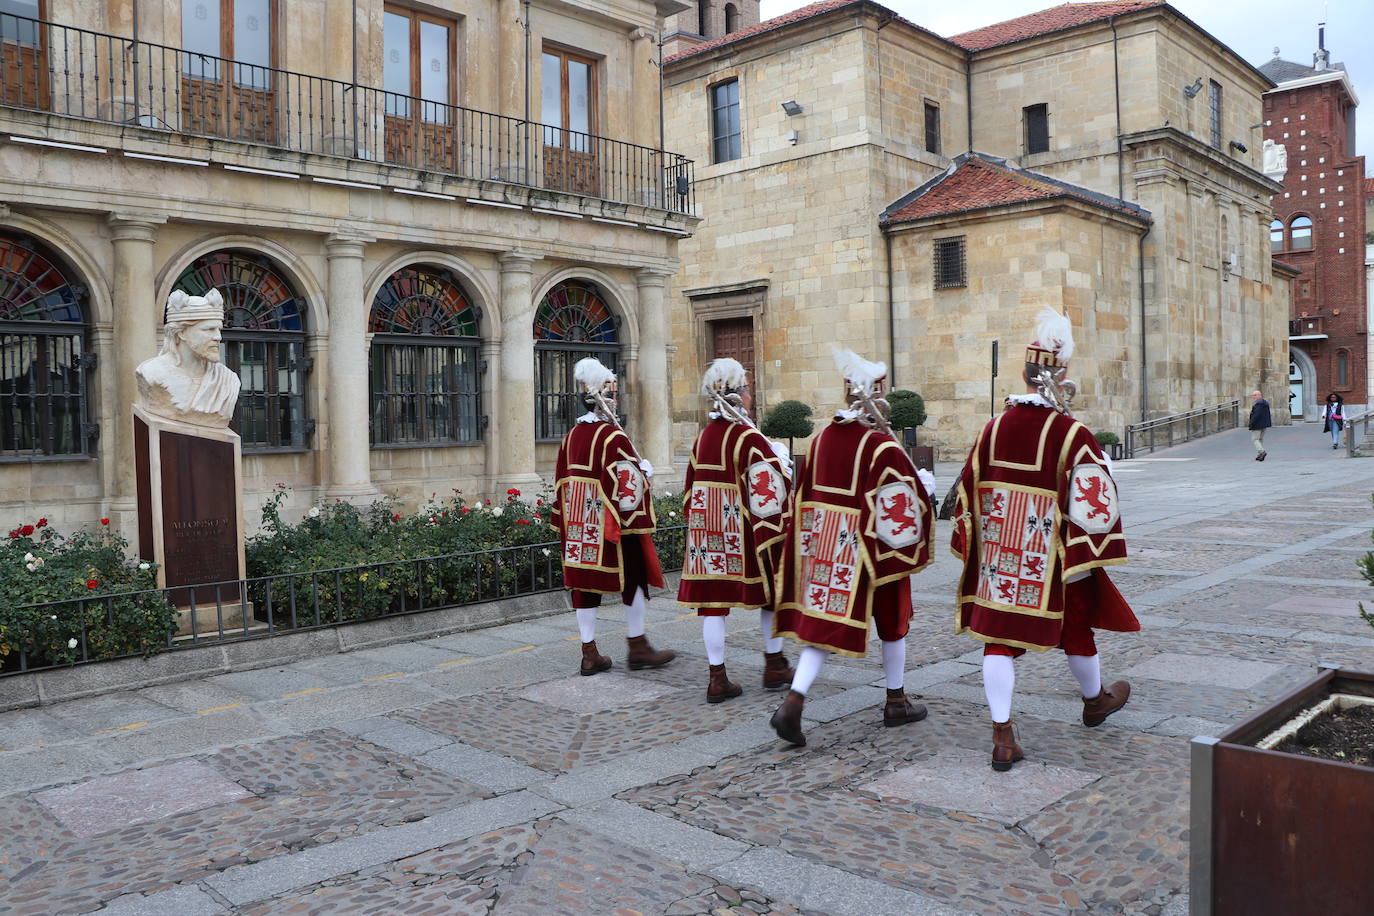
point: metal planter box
(1280, 833)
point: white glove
(927, 480)
(783, 455)
(646, 467)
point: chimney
(1322, 59)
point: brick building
(1319, 228)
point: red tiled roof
(979, 184)
(768, 25)
(1046, 21)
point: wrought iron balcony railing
(92, 75)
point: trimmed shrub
(908, 409)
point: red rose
(522, 521)
(512, 492)
(465, 511)
(14, 534)
(26, 530)
(42, 523)
(395, 518)
(92, 584)
(104, 521)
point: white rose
(71, 644)
(145, 565)
(28, 558)
(31, 566)
(545, 551)
(498, 512)
(313, 512)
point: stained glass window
(264, 342)
(425, 360)
(44, 360)
(573, 321)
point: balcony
(76, 73)
(1306, 328)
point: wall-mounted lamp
(1190, 91)
(792, 137)
(791, 107)
(1239, 147)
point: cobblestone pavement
(477, 773)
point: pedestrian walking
(1333, 415)
(735, 503)
(861, 525)
(1259, 422)
(1037, 521)
(605, 521)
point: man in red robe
(605, 521)
(1038, 519)
(735, 502)
(861, 526)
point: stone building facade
(415, 240)
(707, 20)
(1319, 226)
(1148, 226)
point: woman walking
(1333, 412)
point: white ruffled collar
(589, 417)
(1028, 400)
(848, 414)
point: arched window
(1276, 235)
(701, 17)
(264, 342)
(426, 360)
(1342, 368)
(44, 360)
(573, 321)
(731, 18)
(1300, 233)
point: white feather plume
(1054, 332)
(591, 374)
(723, 373)
(857, 370)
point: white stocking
(808, 666)
(634, 615)
(1088, 670)
(894, 662)
(771, 643)
(713, 634)
(586, 623)
(999, 680)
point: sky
(1252, 28)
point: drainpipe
(138, 115)
(1144, 362)
(891, 315)
(1116, 88)
(968, 95)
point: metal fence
(1164, 432)
(83, 74)
(105, 627)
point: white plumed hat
(1053, 339)
(592, 375)
(724, 374)
(858, 371)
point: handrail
(1195, 424)
(1361, 420)
(78, 73)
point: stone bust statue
(1275, 160)
(186, 381)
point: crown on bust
(185, 308)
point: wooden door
(228, 80)
(420, 80)
(734, 337)
(568, 112)
(24, 78)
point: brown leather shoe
(643, 655)
(1096, 710)
(776, 671)
(786, 719)
(898, 710)
(720, 688)
(1005, 749)
(593, 662)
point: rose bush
(62, 596)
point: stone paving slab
(26, 727)
(663, 836)
(579, 694)
(138, 797)
(1201, 669)
(498, 773)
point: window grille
(573, 321)
(44, 356)
(264, 342)
(949, 263)
(1037, 126)
(1214, 102)
(425, 361)
(725, 129)
(932, 112)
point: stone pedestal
(190, 514)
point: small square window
(1036, 124)
(932, 116)
(950, 267)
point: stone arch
(288, 261)
(100, 300)
(473, 280)
(1308, 389)
(616, 298)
